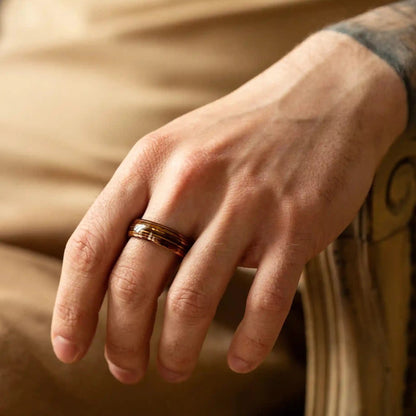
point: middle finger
(195, 294)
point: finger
(195, 293)
(89, 256)
(135, 284)
(139, 274)
(267, 306)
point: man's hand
(265, 177)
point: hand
(265, 177)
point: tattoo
(390, 32)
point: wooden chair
(360, 304)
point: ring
(161, 235)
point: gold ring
(160, 235)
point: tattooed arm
(390, 32)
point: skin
(390, 32)
(264, 177)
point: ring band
(160, 235)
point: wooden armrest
(357, 301)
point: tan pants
(33, 382)
(80, 82)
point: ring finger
(135, 284)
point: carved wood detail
(356, 296)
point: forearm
(390, 32)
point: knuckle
(126, 286)
(70, 315)
(297, 250)
(257, 344)
(191, 305)
(306, 245)
(269, 302)
(85, 250)
(301, 241)
(153, 145)
(304, 229)
(150, 151)
(298, 237)
(190, 166)
(187, 167)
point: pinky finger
(268, 304)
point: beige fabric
(33, 382)
(80, 82)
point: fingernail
(123, 375)
(239, 365)
(65, 349)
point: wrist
(374, 94)
(330, 78)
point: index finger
(89, 255)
